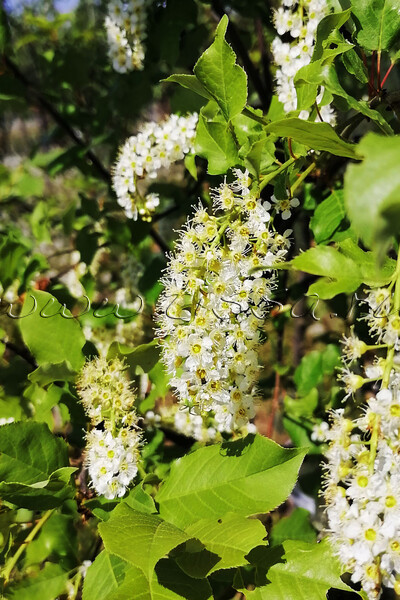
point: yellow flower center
(370, 535)
(390, 501)
(395, 410)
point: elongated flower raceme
(156, 146)
(126, 31)
(217, 288)
(362, 482)
(114, 440)
(300, 20)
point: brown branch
(266, 62)
(21, 352)
(74, 134)
(77, 137)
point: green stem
(248, 113)
(10, 564)
(388, 369)
(396, 306)
(234, 136)
(374, 444)
(77, 583)
(265, 181)
(302, 177)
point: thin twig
(33, 94)
(378, 70)
(266, 62)
(21, 352)
(10, 564)
(74, 134)
(318, 112)
(301, 177)
(372, 75)
(387, 75)
(168, 211)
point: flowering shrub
(200, 293)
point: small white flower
(319, 432)
(284, 206)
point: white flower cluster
(202, 428)
(156, 146)
(383, 323)
(363, 492)
(217, 287)
(362, 480)
(126, 30)
(300, 20)
(113, 442)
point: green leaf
(42, 401)
(295, 527)
(318, 136)
(377, 23)
(227, 541)
(48, 584)
(340, 274)
(331, 81)
(259, 156)
(139, 500)
(328, 216)
(325, 27)
(343, 269)
(58, 540)
(304, 406)
(190, 165)
(50, 337)
(309, 372)
(220, 76)
(174, 584)
(330, 359)
(47, 373)
(299, 433)
(34, 469)
(249, 476)
(111, 578)
(141, 541)
(317, 73)
(372, 189)
(375, 273)
(189, 82)
(104, 577)
(30, 453)
(214, 142)
(13, 250)
(145, 356)
(295, 571)
(355, 66)
(139, 538)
